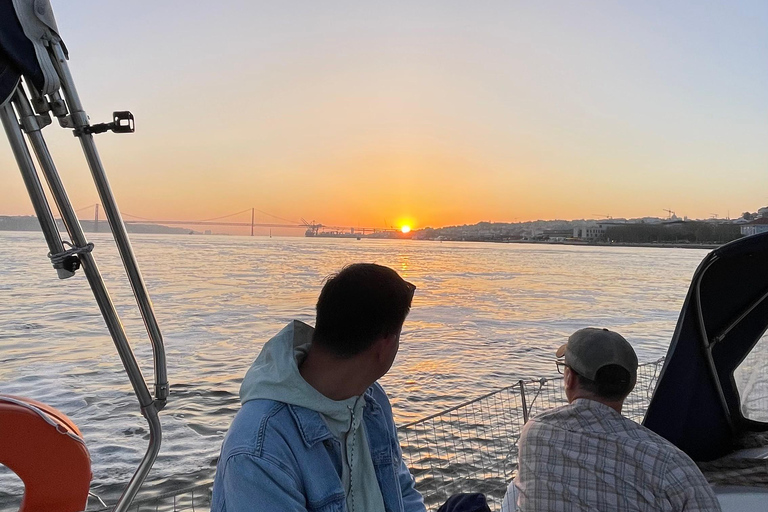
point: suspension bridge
(311, 228)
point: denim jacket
(281, 457)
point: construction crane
(602, 216)
(312, 227)
(670, 213)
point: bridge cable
(225, 216)
(137, 217)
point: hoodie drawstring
(351, 455)
(351, 449)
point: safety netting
(471, 447)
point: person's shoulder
(652, 438)
(546, 421)
(377, 399)
(260, 456)
(255, 418)
(670, 458)
(554, 416)
(376, 393)
(681, 478)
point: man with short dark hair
(587, 456)
(315, 431)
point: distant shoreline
(662, 245)
(29, 223)
(137, 229)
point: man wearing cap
(587, 456)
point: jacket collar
(312, 427)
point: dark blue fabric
(465, 502)
(686, 407)
(17, 55)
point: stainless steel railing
(20, 118)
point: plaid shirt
(586, 456)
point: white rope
(58, 259)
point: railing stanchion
(522, 399)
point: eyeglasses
(411, 288)
(561, 367)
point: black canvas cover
(27, 27)
(17, 54)
(696, 403)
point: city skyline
(267, 225)
(428, 114)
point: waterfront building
(557, 234)
(590, 231)
(756, 226)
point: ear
(384, 346)
(569, 378)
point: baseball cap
(590, 349)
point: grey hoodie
(275, 376)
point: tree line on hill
(691, 231)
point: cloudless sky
(422, 112)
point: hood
(274, 375)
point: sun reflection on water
(483, 316)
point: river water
(484, 315)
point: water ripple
(484, 316)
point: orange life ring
(46, 450)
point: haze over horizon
(421, 113)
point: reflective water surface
(484, 315)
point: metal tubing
(155, 439)
(91, 270)
(114, 217)
(100, 292)
(522, 399)
(149, 410)
(706, 346)
(737, 321)
(32, 182)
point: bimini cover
(699, 405)
(26, 27)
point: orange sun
(406, 229)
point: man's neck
(335, 378)
(616, 405)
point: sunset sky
(420, 112)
